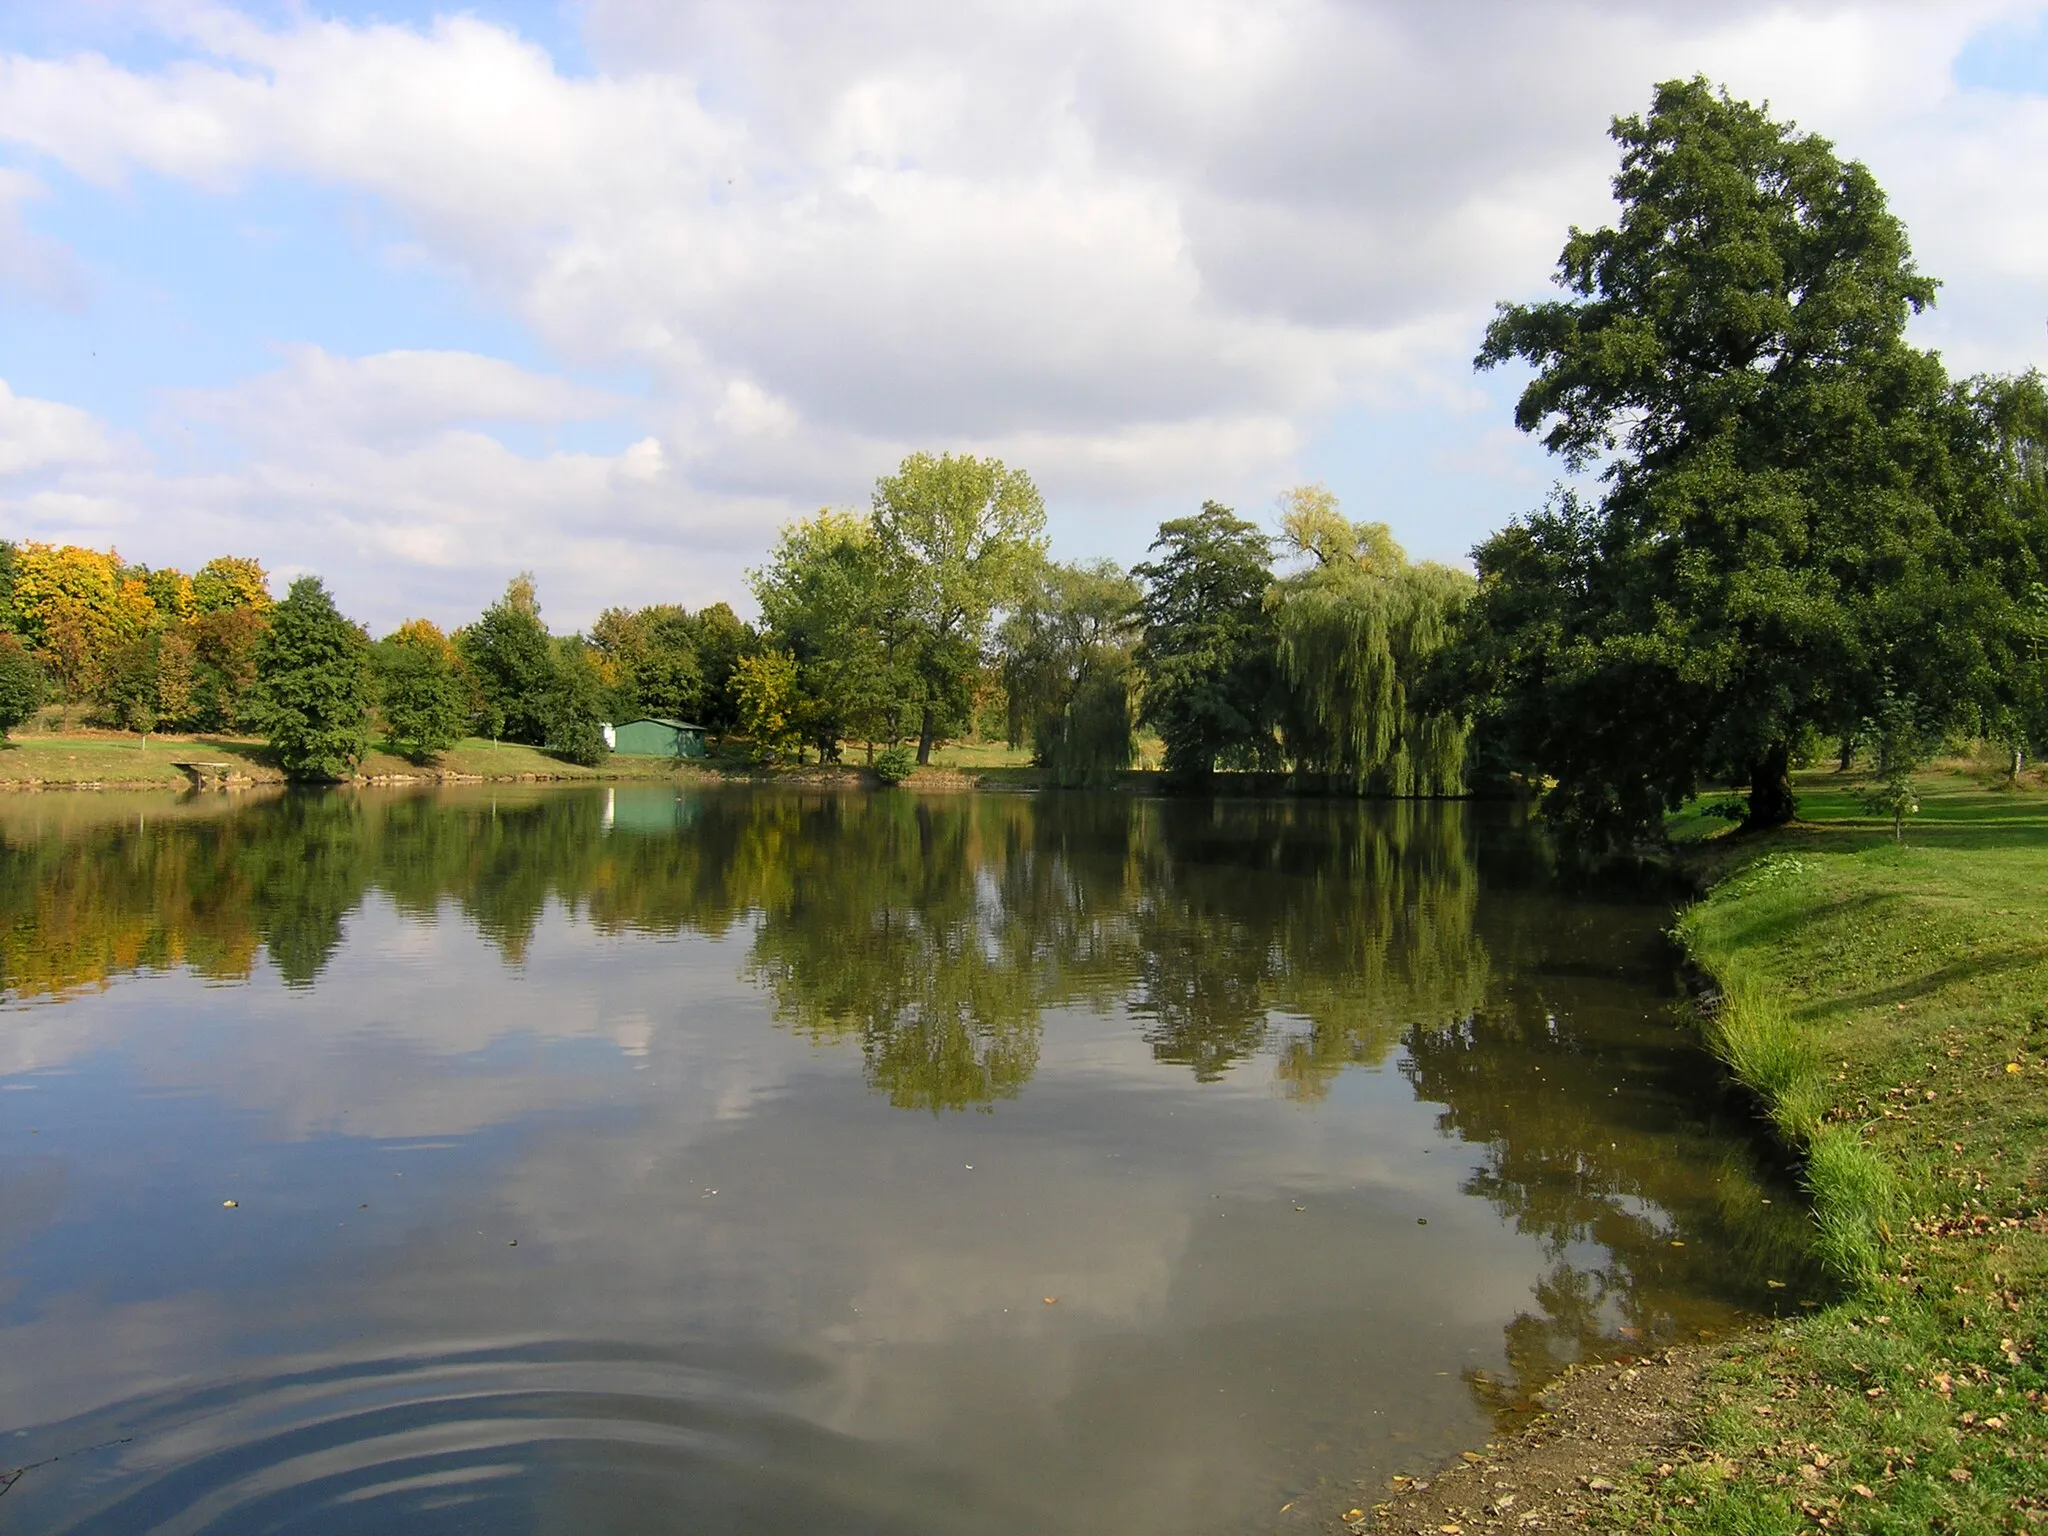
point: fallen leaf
(1862, 1492)
(1050, 1300)
(1959, 1474)
(229, 1205)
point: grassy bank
(119, 760)
(112, 759)
(1889, 1004)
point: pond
(752, 1160)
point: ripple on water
(532, 1437)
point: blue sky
(609, 291)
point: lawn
(1889, 1002)
(112, 758)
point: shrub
(895, 764)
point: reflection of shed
(651, 809)
(658, 738)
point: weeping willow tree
(1354, 628)
(1068, 672)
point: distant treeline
(935, 613)
(1794, 535)
(145, 649)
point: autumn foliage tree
(143, 647)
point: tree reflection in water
(934, 933)
(1603, 1136)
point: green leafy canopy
(1779, 537)
(313, 685)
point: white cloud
(1144, 250)
(43, 435)
(388, 399)
(374, 470)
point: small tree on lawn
(313, 685)
(1901, 743)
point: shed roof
(674, 725)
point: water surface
(734, 1160)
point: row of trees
(936, 609)
(899, 623)
(146, 649)
(1790, 532)
(138, 647)
(503, 676)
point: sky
(415, 298)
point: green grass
(972, 755)
(981, 756)
(114, 759)
(1888, 1001)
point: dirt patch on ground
(1599, 1425)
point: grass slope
(1889, 1003)
(114, 758)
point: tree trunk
(925, 734)
(1847, 759)
(1770, 789)
(2019, 761)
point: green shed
(657, 738)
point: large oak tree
(1774, 545)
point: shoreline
(109, 762)
(1887, 1005)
